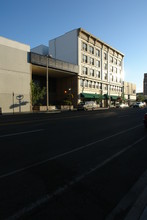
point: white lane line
(20, 133)
(48, 197)
(66, 153)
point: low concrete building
(18, 66)
(15, 76)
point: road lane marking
(60, 190)
(20, 133)
(66, 153)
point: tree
(38, 93)
(140, 98)
(123, 97)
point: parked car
(122, 105)
(145, 120)
(87, 105)
(139, 105)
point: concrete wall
(15, 76)
(65, 47)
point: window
(85, 70)
(111, 68)
(85, 60)
(82, 82)
(91, 49)
(115, 61)
(115, 70)
(86, 83)
(91, 72)
(93, 85)
(105, 66)
(119, 62)
(84, 46)
(91, 61)
(105, 56)
(90, 84)
(111, 59)
(105, 87)
(97, 63)
(98, 74)
(97, 52)
(105, 76)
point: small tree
(140, 98)
(123, 97)
(38, 93)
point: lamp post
(110, 74)
(47, 86)
(13, 101)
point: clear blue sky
(120, 23)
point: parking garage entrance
(62, 80)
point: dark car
(145, 120)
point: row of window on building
(97, 85)
(97, 74)
(97, 53)
(97, 63)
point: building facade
(18, 66)
(145, 84)
(15, 76)
(129, 92)
(100, 65)
(76, 64)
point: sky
(120, 23)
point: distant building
(145, 84)
(129, 92)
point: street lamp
(47, 87)
(110, 74)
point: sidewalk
(133, 205)
(144, 214)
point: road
(73, 165)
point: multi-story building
(129, 92)
(145, 84)
(100, 65)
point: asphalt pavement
(138, 208)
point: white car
(122, 105)
(139, 105)
(87, 105)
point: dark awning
(91, 96)
(114, 97)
